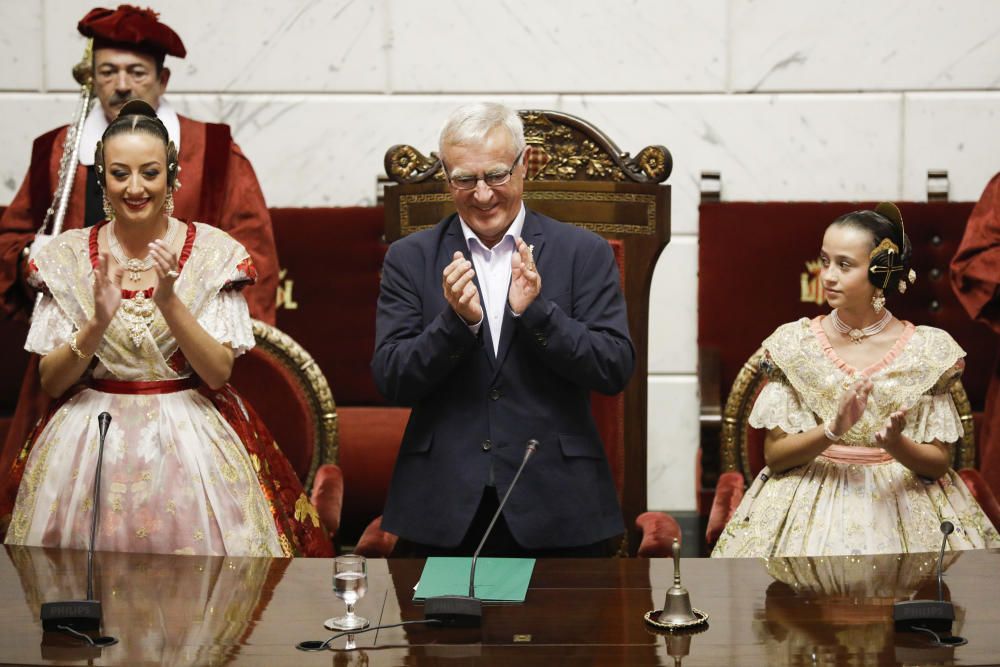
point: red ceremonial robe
(218, 187)
(975, 277)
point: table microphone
(936, 615)
(467, 610)
(82, 615)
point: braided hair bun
(137, 116)
(889, 261)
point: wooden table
(202, 610)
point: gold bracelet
(76, 350)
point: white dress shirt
(492, 267)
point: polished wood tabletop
(192, 610)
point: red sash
(152, 387)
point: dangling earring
(168, 204)
(109, 213)
(878, 301)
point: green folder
(497, 579)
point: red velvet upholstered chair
(289, 391)
(575, 174)
(742, 449)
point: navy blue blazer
(473, 409)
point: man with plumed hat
(219, 186)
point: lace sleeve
(50, 327)
(778, 405)
(226, 318)
(933, 417)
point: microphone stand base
(455, 610)
(81, 615)
(936, 615)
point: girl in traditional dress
(141, 316)
(859, 418)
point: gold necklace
(137, 311)
(857, 335)
(134, 266)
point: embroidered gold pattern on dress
(146, 456)
(305, 510)
(830, 508)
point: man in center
(494, 326)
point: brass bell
(678, 647)
(677, 607)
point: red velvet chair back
(331, 260)
(286, 387)
(575, 174)
(370, 438)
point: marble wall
(788, 100)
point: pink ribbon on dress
(865, 456)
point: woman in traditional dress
(859, 418)
(142, 317)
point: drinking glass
(350, 583)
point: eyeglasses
(493, 179)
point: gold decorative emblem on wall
(810, 285)
(284, 298)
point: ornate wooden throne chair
(576, 174)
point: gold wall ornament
(810, 285)
(284, 298)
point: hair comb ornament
(892, 251)
(885, 246)
(891, 212)
(911, 276)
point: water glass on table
(350, 583)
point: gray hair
(471, 123)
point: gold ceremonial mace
(83, 72)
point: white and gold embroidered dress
(867, 503)
(176, 476)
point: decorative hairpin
(885, 246)
(911, 276)
(892, 250)
(891, 212)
